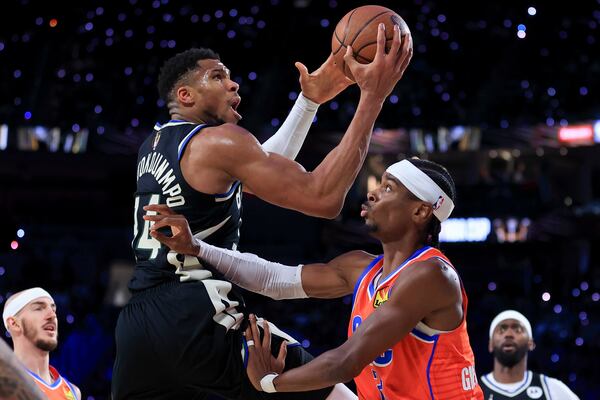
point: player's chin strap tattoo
(288, 140)
(251, 272)
(15, 383)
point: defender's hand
(379, 77)
(323, 84)
(182, 241)
(260, 360)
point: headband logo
(438, 203)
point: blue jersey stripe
(424, 336)
(429, 366)
(52, 386)
(185, 140)
(229, 192)
(367, 269)
(414, 255)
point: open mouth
(364, 210)
(509, 347)
(235, 103)
(50, 328)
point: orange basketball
(358, 29)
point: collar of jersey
(381, 282)
(54, 384)
(500, 388)
(173, 122)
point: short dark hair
(443, 179)
(178, 66)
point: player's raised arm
(322, 191)
(324, 280)
(317, 87)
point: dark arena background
(506, 95)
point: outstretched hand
(182, 241)
(260, 360)
(379, 77)
(324, 83)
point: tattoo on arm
(15, 383)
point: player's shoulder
(354, 258)
(558, 389)
(229, 130)
(434, 273)
(226, 136)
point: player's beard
(371, 226)
(30, 333)
(510, 359)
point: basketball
(358, 28)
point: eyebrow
(391, 177)
(41, 303)
(222, 69)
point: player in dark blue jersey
(182, 340)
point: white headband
(422, 186)
(13, 307)
(511, 314)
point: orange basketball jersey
(425, 364)
(60, 389)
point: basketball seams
(341, 41)
(348, 26)
(358, 31)
(370, 44)
(356, 28)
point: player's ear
(531, 345)
(422, 212)
(13, 324)
(184, 95)
(490, 346)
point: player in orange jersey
(30, 317)
(407, 333)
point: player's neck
(179, 115)
(396, 252)
(514, 374)
(34, 359)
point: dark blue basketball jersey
(214, 218)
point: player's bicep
(277, 180)
(271, 177)
(336, 278)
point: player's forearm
(14, 381)
(256, 274)
(288, 139)
(337, 172)
(326, 370)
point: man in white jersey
(511, 338)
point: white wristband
(266, 383)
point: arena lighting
(3, 136)
(576, 134)
(596, 133)
(465, 230)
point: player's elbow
(330, 207)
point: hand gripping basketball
(379, 77)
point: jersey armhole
(183, 144)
